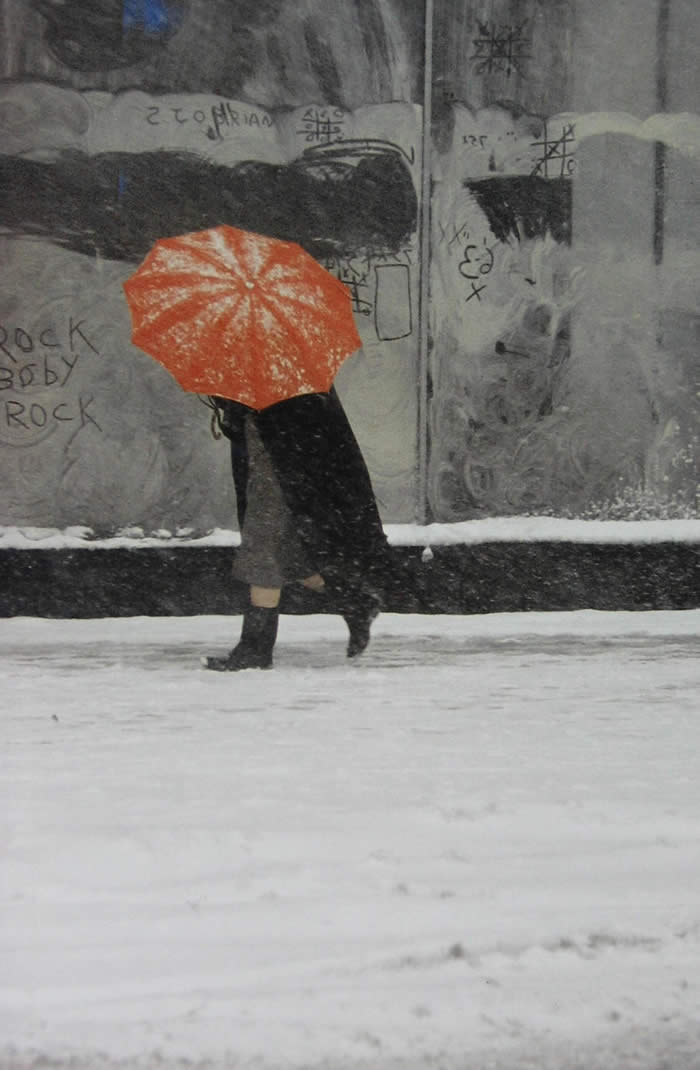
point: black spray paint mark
(174, 45)
(501, 49)
(337, 200)
(374, 37)
(323, 64)
(281, 60)
(525, 206)
(94, 35)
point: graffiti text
(217, 120)
(556, 157)
(322, 125)
(500, 49)
(36, 367)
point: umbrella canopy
(241, 316)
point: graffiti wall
(125, 122)
(559, 281)
(563, 373)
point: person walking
(307, 513)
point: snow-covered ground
(477, 847)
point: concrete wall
(564, 318)
(294, 119)
(500, 272)
(564, 271)
(636, 240)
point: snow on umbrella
(241, 316)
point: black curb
(495, 577)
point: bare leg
(315, 582)
(265, 597)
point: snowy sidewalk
(478, 846)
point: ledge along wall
(530, 330)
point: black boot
(359, 616)
(254, 649)
(358, 605)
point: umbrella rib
(290, 327)
(258, 344)
(260, 384)
(213, 259)
(162, 306)
(290, 300)
(271, 261)
(330, 318)
(310, 271)
(209, 341)
(171, 316)
(184, 276)
(225, 312)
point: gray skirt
(271, 553)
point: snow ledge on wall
(468, 532)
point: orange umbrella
(241, 316)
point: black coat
(323, 477)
